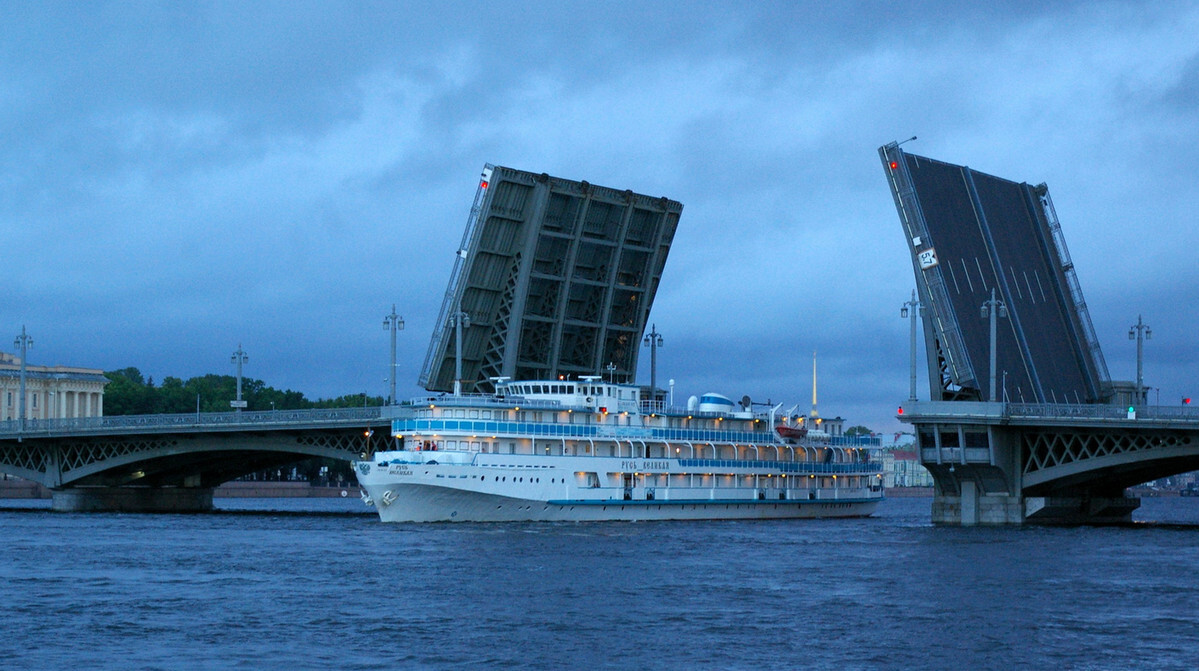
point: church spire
(814, 413)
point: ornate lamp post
(913, 308)
(23, 342)
(394, 322)
(653, 340)
(459, 320)
(239, 358)
(1140, 332)
(992, 309)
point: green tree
(128, 394)
(858, 431)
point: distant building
(901, 468)
(51, 392)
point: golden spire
(814, 413)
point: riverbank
(906, 492)
(25, 489)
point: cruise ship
(588, 449)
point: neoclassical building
(51, 392)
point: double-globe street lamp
(910, 310)
(23, 342)
(992, 309)
(653, 340)
(393, 322)
(239, 357)
(1140, 332)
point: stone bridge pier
(997, 463)
(133, 499)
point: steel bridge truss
(183, 450)
(1061, 459)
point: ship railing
(701, 493)
(484, 400)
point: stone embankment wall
(12, 488)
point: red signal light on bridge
(1186, 401)
(901, 410)
(894, 164)
(483, 184)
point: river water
(316, 584)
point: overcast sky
(177, 179)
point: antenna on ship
(814, 413)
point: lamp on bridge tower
(992, 309)
(239, 358)
(1140, 332)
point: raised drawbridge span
(173, 462)
(1024, 423)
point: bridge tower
(553, 278)
(1023, 423)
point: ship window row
(784, 466)
(566, 430)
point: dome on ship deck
(712, 402)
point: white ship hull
(500, 488)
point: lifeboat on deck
(791, 432)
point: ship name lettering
(645, 465)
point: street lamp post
(239, 358)
(458, 320)
(394, 322)
(993, 309)
(912, 308)
(653, 340)
(23, 342)
(1140, 332)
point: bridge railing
(994, 412)
(190, 420)
(1085, 411)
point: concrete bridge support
(132, 499)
